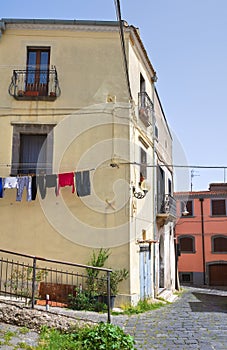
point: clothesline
(79, 180)
(34, 166)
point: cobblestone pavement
(196, 320)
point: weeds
(102, 336)
(142, 306)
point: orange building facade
(201, 234)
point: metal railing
(32, 278)
(166, 204)
(35, 83)
(145, 106)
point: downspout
(154, 194)
(203, 243)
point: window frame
(190, 274)
(211, 206)
(193, 251)
(213, 238)
(143, 165)
(36, 73)
(182, 206)
(31, 129)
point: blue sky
(186, 43)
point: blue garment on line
(1, 187)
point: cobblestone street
(196, 320)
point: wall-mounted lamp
(185, 212)
(141, 193)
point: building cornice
(66, 25)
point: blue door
(145, 272)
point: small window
(32, 150)
(156, 131)
(186, 277)
(32, 153)
(187, 206)
(219, 244)
(169, 187)
(143, 164)
(187, 244)
(218, 207)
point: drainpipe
(154, 196)
(203, 243)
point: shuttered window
(187, 244)
(33, 153)
(219, 244)
(218, 207)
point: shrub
(104, 336)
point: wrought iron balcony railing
(166, 205)
(145, 108)
(36, 84)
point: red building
(201, 233)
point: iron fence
(36, 279)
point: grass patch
(24, 330)
(142, 306)
(25, 346)
(8, 336)
(102, 336)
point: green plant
(20, 278)
(81, 300)
(22, 345)
(98, 259)
(24, 330)
(104, 336)
(116, 276)
(142, 306)
(52, 339)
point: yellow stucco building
(81, 118)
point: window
(142, 84)
(143, 164)
(218, 207)
(160, 190)
(219, 244)
(38, 60)
(32, 150)
(186, 277)
(187, 244)
(169, 187)
(187, 206)
(156, 132)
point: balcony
(145, 106)
(34, 84)
(166, 209)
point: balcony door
(38, 60)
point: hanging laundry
(83, 186)
(1, 187)
(51, 181)
(24, 182)
(66, 179)
(34, 187)
(10, 182)
(40, 182)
